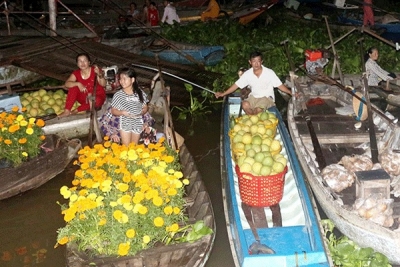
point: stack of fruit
(44, 102)
(255, 149)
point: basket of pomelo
(259, 190)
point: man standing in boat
(261, 81)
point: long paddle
(371, 127)
(167, 110)
(328, 80)
(93, 126)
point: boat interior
(338, 134)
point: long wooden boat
(182, 53)
(184, 254)
(35, 172)
(246, 15)
(329, 107)
(392, 27)
(73, 126)
(298, 242)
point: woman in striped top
(129, 103)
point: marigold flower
(174, 227)
(22, 140)
(102, 221)
(168, 210)
(177, 210)
(40, 123)
(13, 128)
(23, 123)
(158, 221)
(146, 239)
(24, 154)
(15, 109)
(7, 142)
(130, 233)
(122, 187)
(157, 201)
(29, 131)
(123, 249)
(20, 117)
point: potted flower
(20, 136)
(126, 199)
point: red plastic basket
(261, 191)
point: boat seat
(8, 87)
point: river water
(28, 222)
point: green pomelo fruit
(264, 148)
(246, 139)
(245, 167)
(264, 116)
(256, 140)
(268, 161)
(256, 148)
(254, 119)
(265, 170)
(249, 160)
(253, 129)
(278, 167)
(237, 128)
(256, 168)
(250, 153)
(50, 111)
(259, 157)
(237, 138)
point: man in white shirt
(262, 82)
(170, 13)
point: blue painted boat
(182, 53)
(393, 27)
(298, 242)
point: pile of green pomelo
(44, 102)
(254, 146)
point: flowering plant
(124, 199)
(20, 137)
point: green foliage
(346, 253)
(239, 41)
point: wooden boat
(184, 254)
(35, 172)
(190, 3)
(339, 134)
(387, 23)
(299, 241)
(73, 126)
(182, 53)
(245, 16)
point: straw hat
(359, 107)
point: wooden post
(53, 17)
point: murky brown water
(28, 222)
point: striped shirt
(131, 103)
(375, 73)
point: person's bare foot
(65, 113)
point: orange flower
(22, 140)
(15, 109)
(7, 142)
(40, 123)
(13, 128)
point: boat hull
(36, 172)
(364, 232)
(184, 254)
(299, 241)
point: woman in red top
(81, 83)
(152, 14)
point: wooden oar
(328, 80)
(93, 126)
(314, 139)
(167, 110)
(371, 126)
